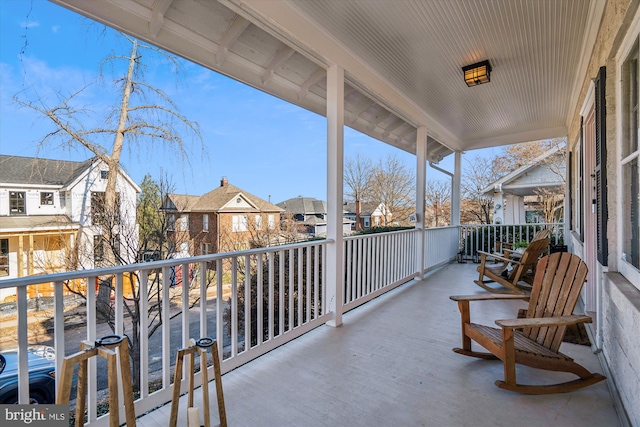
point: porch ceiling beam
(360, 107)
(285, 23)
(284, 53)
(237, 27)
(314, 78)
(384, 115)
(395, 124)
(158, 10)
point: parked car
(42, 382)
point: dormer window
(46, 198)
(17, 204)
(104, 174)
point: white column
(456, 190)
(335, 171)
(421, 177)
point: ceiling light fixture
(477, 74)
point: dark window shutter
(571, 192)
(581, 183)
(601, 167)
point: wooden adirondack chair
(535, 339)
(504, 249)
(517, 280)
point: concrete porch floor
(391, 364)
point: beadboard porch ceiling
(402, 59)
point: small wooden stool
(200, 347)
(103, 347)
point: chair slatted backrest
(541, 234)
(556, 287)
(529, 257)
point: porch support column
(421, 177)
(456, 193)
(335, 173)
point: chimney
(223, 181)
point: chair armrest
(543, 321)
(487, 297)
(498, 257)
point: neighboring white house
(311, 214)
(512, 193)
(371, 214)
(46, 210)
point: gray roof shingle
(36, 171)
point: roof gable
(537, 173)
(304, 205)
(225, 198)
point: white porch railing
(482, 237)
(441, 245)
(377, 263)
(249, 321)
(251, 301)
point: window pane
(16, 203)
(46, 198)
(4, 257)
(631, 222)
(630, 103)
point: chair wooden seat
(534, 339)
(521, 343)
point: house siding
(619, 315)
(621, 341)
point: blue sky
(263, 145)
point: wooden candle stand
(105, 348)
(201, 346)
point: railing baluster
(185, 308)
(308, 281)
(166, 326)
(316, 281)
(143, 287)
(271, 292)
(234, 306)
(281, 284)
(219, 307)
(202, 267)
(23, 346)
(259, 300)
(300, 288)
(58, 327)
(247, 302)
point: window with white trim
(205, 248)
(272, 221)
(205, 222)
(184, 222)
(630, 163)
(239, 223)
(258, 222)
(17, 204)
(46, 198)
(171, 223)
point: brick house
(223, 220)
